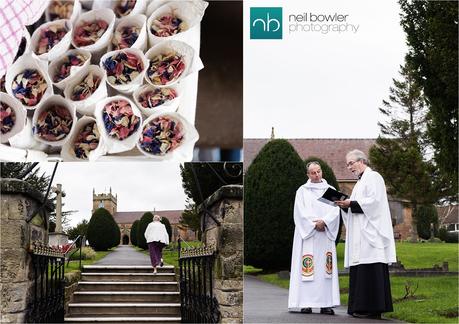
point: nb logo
(266, 23)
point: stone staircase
(129, 294)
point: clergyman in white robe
(314, 273)
(370, 245)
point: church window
(101, 204)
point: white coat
(369, 236)
(315, 286)
(156, 232)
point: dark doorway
(125, 240)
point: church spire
(272, 133)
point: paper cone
(68, 153)
(54, 100)
(87, 106)
(112, 144)
(182, 153)
(20, 117)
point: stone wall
(19, 227)
(71, 285)
(223, 230)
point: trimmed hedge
(426, 215)
(134, 230)
(270, 187)
(103, 232)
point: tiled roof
(448, 214)
(331, 150)
(130, 217)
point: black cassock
(369, 289)
(369, 285)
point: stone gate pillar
(20, 225)
(223, 230)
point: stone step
(123, 319)
(126, 296)
(127, 268)
(128, 276)
(124, 309)
(128, 286)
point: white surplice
(369, 236)
(315, 286)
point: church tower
(104, 200)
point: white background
(311, 85)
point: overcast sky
(140, 186)
(314, 85)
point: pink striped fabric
(14, 15)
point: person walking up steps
(157, 238)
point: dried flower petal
(7, 117)
(86, 87)
(49, 37)
(54, 123)
(29, 87)
(86, 141)
(122, 67)
(60, 9)
(157, 97)
(119, 119)
(89, 32)
(63, 71)
(161, 135)
(165, 68)
(125, 37)
(124, 7)
(167, 25)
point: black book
(331, 195)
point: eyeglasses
(351, 163)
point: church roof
(331, 150)
(130, 217)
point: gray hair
(358, 156)
(156, 218)
(312, 163)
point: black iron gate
(47, 305)
(198, 304)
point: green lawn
(435, 300)
(418, 255)
(74, 265)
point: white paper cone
(190, 12)
(75, 71)
(88, 105)
(182, 153)
(27, 62)
(60, 48)
(100, 46)
(54, 100)
(112, 144)
(134, 84)
(181, 49)
(139, 7)
(134, 20)
(168, 106)
(68, 154)
(20, 117)
(25, 140)
(73, 16)
(154, 5)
